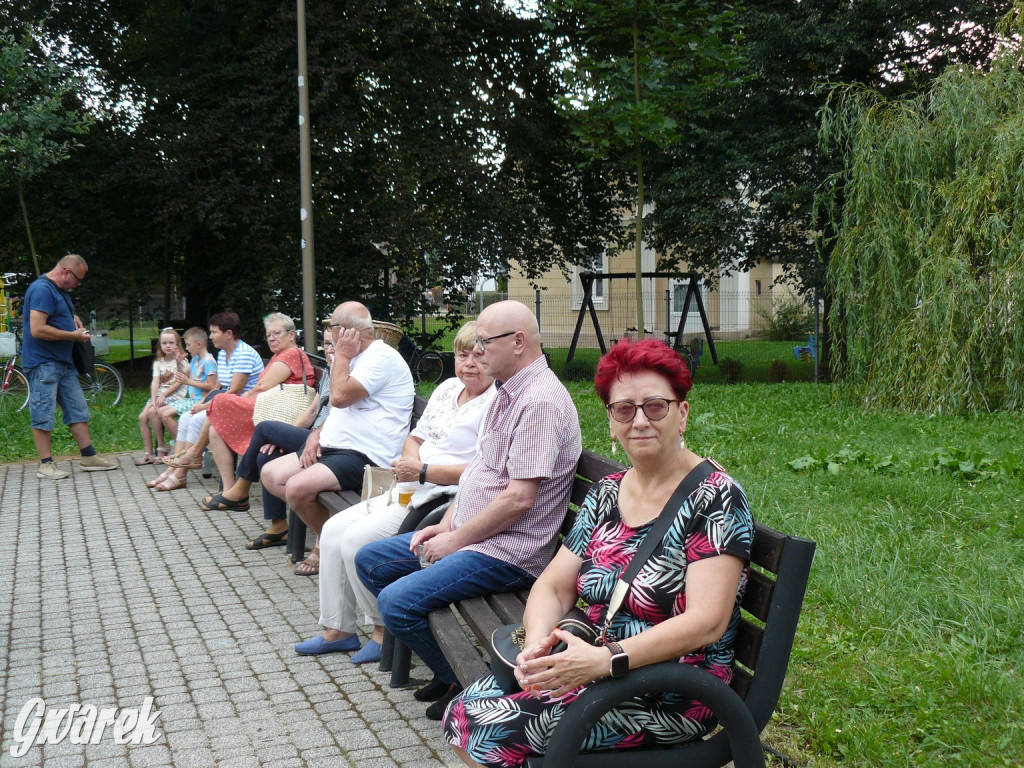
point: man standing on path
(501, 530)
(51, 328)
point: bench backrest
(319, 367)
(780, 568)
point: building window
(679, 290)
(757, 287)
(598, 294)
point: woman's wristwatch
(620, 659)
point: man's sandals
(219, 501)
(265, 540)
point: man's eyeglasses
(79, 279)
(655, 409)
(482, 343)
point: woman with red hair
(682, 605)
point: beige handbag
(285, 402)
(377, 481)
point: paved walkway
(113, 593)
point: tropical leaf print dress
(503, 730)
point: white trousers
(343, 598)
(190, 425)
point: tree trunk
(28, 228)
(638, 248)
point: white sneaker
(98, 463)
(49, 471)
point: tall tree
(638, 77)
(40, 113)
(741, 189)
(927, 265)
(433, 133)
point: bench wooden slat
(509, 606)
(479, 617)
(758, 597)
(594, 467)
(457, 645)
(336, 501)
(748, 643)
(767, 548)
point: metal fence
(771, 336)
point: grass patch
(909, 651)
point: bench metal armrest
(666, 677)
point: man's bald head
(514, 338)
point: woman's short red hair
(644, 356)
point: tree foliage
(797, 53)
(927, 266)
(434, 132)
(40, 113)
(639, 75)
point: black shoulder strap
(693, 478)
(643, 553)
(64, 295)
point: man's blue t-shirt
(43, 295)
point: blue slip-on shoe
(317, 645)
(369, 652)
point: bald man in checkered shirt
(501, 530)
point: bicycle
(426, 365)
(14, 391)
(104, 387)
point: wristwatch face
(620, 664)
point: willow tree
(928, 262)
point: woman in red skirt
(230, 416)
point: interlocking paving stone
(118, 593)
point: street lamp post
(309, 328)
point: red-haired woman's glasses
(654, 408)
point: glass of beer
(405, 492)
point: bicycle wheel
(104, 389)
(13, 392)
(429, 368)
(688, 360)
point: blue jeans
(406, 593)
(52, 384)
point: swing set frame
(675, 338)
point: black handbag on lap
(507, 641)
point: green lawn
(909, 650)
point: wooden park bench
(771, 609)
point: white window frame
(693, 323)
(599, 296)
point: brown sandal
(184, 461)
